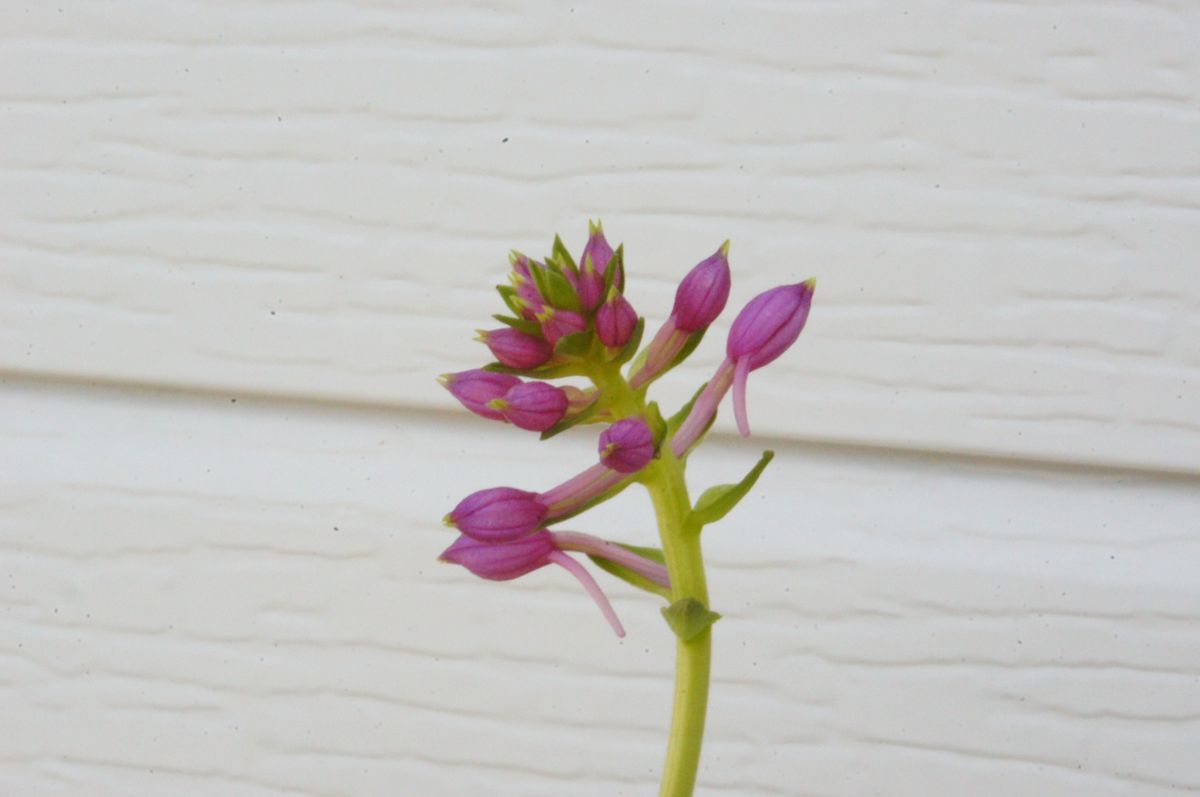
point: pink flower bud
(498, 514)
(615, 320)
(535, 406)
(702, 294)
(476, 388)
(592, 265)
(627, 446)
(559, 323)
(501, 561)
(517, 349)
(764, 329)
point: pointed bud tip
(448, 520)
(725, 248)
(811, 283)
(498, 404)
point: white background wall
(238, 240)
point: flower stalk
(571, 319)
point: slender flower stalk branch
(594, 546)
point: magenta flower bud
(476, 388)
(517, 349)
(615, 320)
(559, 323)
(592, 264)
(770, 323)
(702, 294)
(535, 406)
(498, 514)
(765, 329)
(501, 561)
(627, 445)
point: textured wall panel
(1001, 200)
(206, 597)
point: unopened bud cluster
(568, 318)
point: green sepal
(563, 256)
(573, 420)
(613, 269)
(558, 291)
(716, 502)
(676, 420)
(630, 348)
(629, 576)
(556, 371)
(576, 345)
(689, 618)
(520, 324)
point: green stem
(665, 482)
(681, 549)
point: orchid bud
(764, 329)
(501, 561)
(615, 320)
(702, 294)
(592, 265)
(559, 323)
(627, 445)
(770, 323)
(535, 406)
(476, 388)
(517, 349)
(498, 514)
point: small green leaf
(554, 371)
(559, 291)
(563, 256)
(615, 269)
(540, 280)
(572, 420)
(522, 324)
(629, 576)
(689, 618)
(576, 345)
(715, 502)
(689, 347)
(631, 346)
(654, 419)
(509, 294)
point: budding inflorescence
(570, 319)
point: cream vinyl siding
(238, 241)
